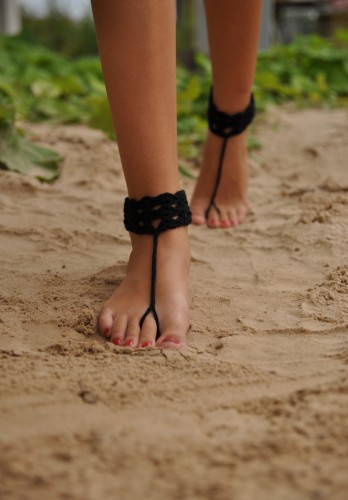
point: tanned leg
(136, 41)
(233, 32)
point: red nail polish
(117, 341)
(171, 339)
(129, 343)
(146, 344)
(106, 331)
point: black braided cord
(153, 215)
(226, 126)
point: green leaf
(186, 172)
(20, 155)
(204, 63)
(100, 114)
(40, 85)
(253, 143)
(341, 36)
(187, 96)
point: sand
(256, 407)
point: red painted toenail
(146, 344)
(117, 341)
(106, 331)
(129, 343)
(171, 339)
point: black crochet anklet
(226, 126)
(169, 211)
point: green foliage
(16, 152)
(310, 71)
(185, 171)
(185, 31)
(58, 32)
(47, 86)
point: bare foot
(231, 197)
(120, 315)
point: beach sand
(256, 407)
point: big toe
(198, 219)
(197, 207)
(105, 321)
(213, 221)
(171, 341)
(242, 211)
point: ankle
(171, 241)
(231, 102)
(175, 243)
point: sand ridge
(255, 407)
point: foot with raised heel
(220, 196)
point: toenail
(116, 341)
(171, 339)
(146, 344)
(129, 343)
(106, 331)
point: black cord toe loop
(153, 215)
(226, 126)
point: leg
(233, 31)
(137, 47)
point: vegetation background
(51, 72)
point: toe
(232, 214)
(198, 207)
(225, 223)
(105, 322)
(118, 331)
(171, 341)
(213, 221)
(132, 333)
(224, 218)
(198, 219)
(148, 332)
(241, 213)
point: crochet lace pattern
(153, 215)
(226, 126)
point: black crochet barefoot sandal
(153, 215)
(226, 126)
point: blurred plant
(59, 32)
(19, 154)
(311, 71)
(185, 31)
(47, 86)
